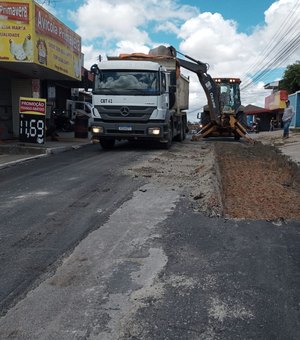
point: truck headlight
(154, 131)
(97, 130)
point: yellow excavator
(224, 115)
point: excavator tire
(205, 118)
(237, 136)
(184, 134)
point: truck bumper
(157, 131)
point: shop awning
(255, 110)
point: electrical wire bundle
(283, 44)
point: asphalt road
(48, 205)
(101, 255)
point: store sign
(46, 24)
(32, 120)
(276, 100)
(16, 31)
(58, 47)
(29, 33)
(14, 11)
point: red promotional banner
(32, 106)
(14, 11)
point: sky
(253, 40)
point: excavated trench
(257, 182)
(228, 178)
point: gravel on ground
(229, 178)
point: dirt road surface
(235, 180)
(207, 248)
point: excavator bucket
(213, 129)
(206, 131)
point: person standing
(272, 122)
(287, 117)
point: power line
(288, 43)
(281, 56)
(278, 36)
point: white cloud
(91, 55)
(167, 26)
(210, 38)
(116, 20)
(106, 20)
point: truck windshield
(126, 82)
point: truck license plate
(125, 128)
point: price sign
(32, 120)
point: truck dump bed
(170, 64)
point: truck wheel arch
(107, 143)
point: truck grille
(133, 132)
(125, 113)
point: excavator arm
(210, 88)
(212, 92)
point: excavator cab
(229, 94)
(232, 116)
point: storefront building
(40, 57)
(276, 102)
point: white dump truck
(140, 97)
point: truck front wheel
(167, 145)
(107, 143)
(181, 135)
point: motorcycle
(62, 121)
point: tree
(291, 78)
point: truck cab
(135, 99)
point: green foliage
(291, 78)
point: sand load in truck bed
(164, 57)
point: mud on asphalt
(228, 178)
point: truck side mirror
(94, 69)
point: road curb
(21, 160)
(44, 153)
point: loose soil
(228, 178)
(257, 182)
